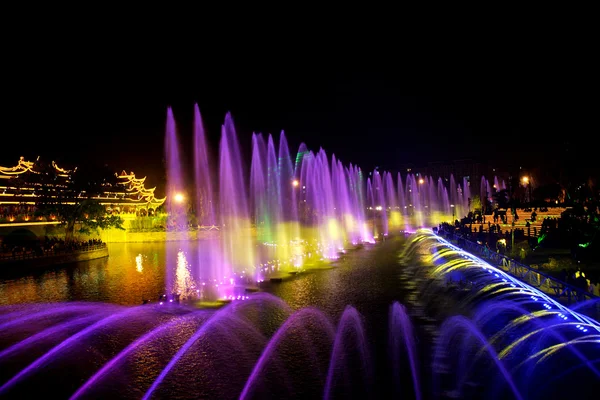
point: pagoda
(30, 182)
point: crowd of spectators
(46, 247)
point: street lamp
(179, 197)
(525, 181)
(295, 183)
(421, 181)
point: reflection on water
(184, 284)
(138, 263)
(133, 272)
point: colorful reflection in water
(138, 263)
(134, 272)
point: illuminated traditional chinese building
(26, 184)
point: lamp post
(179, 198)
(176, 211)
(452, 206)
(527, 185)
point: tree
(476, 203)
(69, 201)
(502, 198)
(90, 214)
(547, 193)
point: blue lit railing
(533, 277)
(581, 321)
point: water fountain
(513, 339)
(472, 332)
(287, 213)
(286, 216)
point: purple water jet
(459, 324)
(176, 198)
(238, 252)
(349, 328)
(402, 338)
(210, 265)
(296, 321)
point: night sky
(106, 103)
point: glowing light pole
(179, 198)
(525, 181)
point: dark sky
(384, 104)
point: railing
(53, 252)
(205, 228)
(533, 277)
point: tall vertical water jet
(354, 211)
(302, 151)
(452, 191)
(379, 198)
(307, 211)
(394, 216)
(484, 192)
(434, 203)
(415, 201)
(460, 206)
(176, 202)
(289, 186)
(202, 173)
(361, 204)
(210, 264)
(446, 202)
(236, 242)
(372, 209)
(273, 190)
(356, 192)
(331, 239)
(258, 189)
(402, 202)
(496, 186)
(442, 195)
(340, 194)
(352, 220)
(467, 193)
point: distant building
(26, 184)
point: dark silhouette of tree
(502, 198)
(90, 214)
(69, 200)
(550, 192)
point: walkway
(561, 291)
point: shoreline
(13, 264)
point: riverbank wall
(31, 261)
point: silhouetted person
(582, 285)
(563, 276)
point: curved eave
(11, 172)
(60, 170)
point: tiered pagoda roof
(25, 181)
